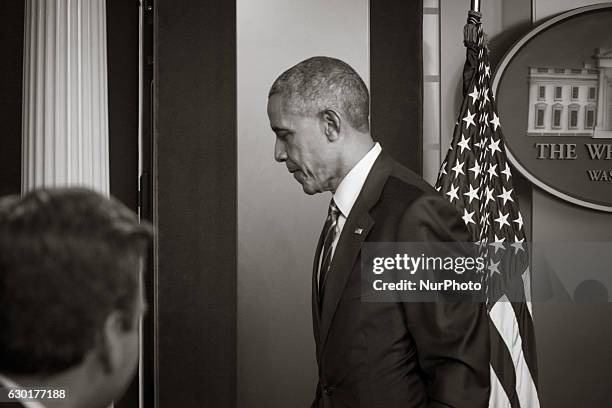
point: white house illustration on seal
(572, 101)
(603, 129)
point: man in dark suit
(372, 354)
(70, 297)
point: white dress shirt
(7, 383)
(347, 192)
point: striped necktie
(330, 228)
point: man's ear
(111, 352)
(332, 123)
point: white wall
(278, 225)
(431, 90)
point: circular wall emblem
(554, 97)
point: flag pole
(475, 6)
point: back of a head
(320, 83)
(68, 258)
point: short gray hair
(320, 83)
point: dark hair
(320, 83)
(68, 258)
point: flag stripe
(517, 291)
(502, 365)
(498, 397)
(527, 286)
(527, 334)
(524, 321)
(504, 319)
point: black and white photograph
(305, 203)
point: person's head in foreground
(319, 110)
(70, 294)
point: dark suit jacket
(13, 404)
(390, 355)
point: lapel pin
(358, 231)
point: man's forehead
(277, 111)
(276, 103)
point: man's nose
(280, 154)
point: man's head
(319, 111)
(70, 292)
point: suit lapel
(349, 243)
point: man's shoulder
(405, 191)
(404, 185)
(393, 190)
(407, 199)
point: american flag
(476, 178)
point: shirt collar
(8, 383)
(347, 192)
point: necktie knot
(328, 236)
(333, 210)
